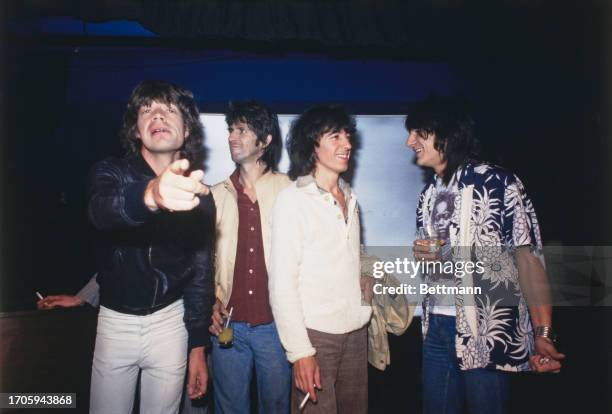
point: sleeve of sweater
(285, 258)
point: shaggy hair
(449, 120)
(306, 132)
(167, 93)
(263, 122)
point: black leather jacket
(149, 260)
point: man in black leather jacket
(157, 222)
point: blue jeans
(445, 387)
(232, 371)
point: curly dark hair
(449, 118)
(263, 122)
(306, 132)
(168, 93)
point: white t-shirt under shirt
(442, 212)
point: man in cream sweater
(314, 278)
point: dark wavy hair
(449, 118)
(263, 122)
(168, 93)
(306, 132)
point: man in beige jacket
(244, 203)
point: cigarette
(305, 400)
(39, 295)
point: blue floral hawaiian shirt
(496, 332)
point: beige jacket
(390, 314)
(226, 200)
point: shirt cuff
(198, 337)
(294, 356)
(90, 294)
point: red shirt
(249, 297)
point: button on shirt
(249, 297)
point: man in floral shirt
(480, 213)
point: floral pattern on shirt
(493, 329)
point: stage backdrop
(385, 179)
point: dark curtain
(45, 241)
(425, 29)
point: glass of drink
(430, 238)
(226, 337)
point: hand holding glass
(427, 245)
(226, 337)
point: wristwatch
(546, 332)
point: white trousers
(155, 343)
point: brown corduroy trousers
(343, 361)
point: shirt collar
(458, 177)
(143, 166)
(235, 179)
(306, 180)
